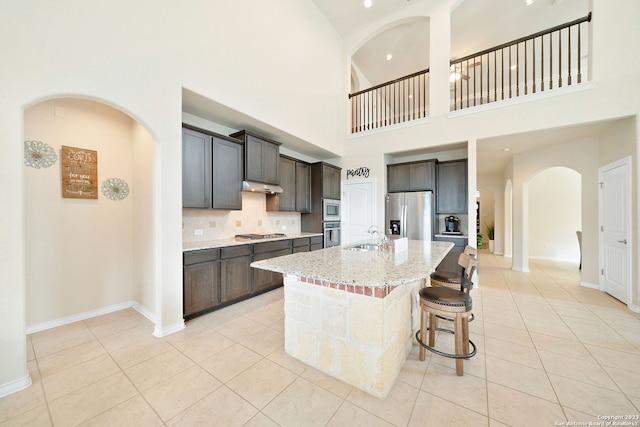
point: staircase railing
(542, 61)
(389, 103)
(527, 65)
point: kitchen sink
(364, 247)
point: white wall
(279, 62)
(79, 252)
(555, 214)
(144, 220)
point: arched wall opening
(554, 214)
(88, 256)
(407, 40)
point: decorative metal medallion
(115, 188)
(38, 155)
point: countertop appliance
(260, 236)
(452, 225)
(410, 215)
(331, 234)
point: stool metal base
(443, 354)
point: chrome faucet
(382, 239)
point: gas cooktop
(260, 236)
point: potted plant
(479, 240)
(490, 228)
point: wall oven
(330, 210)
(331, 234)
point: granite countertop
(374, 268)
(232, 241)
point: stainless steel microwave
(330, 210)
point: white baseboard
(89, 314)
(144, 311)
(160, 332)
(589, 285)
(634, 308)
(14, 386)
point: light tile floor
(549, 351)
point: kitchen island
(352, 314)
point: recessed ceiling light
(529, 2)
(506, 149)
(389, 56)
(368, 3)
(513, 67)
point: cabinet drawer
(273, 254)
(301, 249)
(195, 257)
(316, 247)
(302, 241)
(271, 246)
(234, 251)
(316, 240)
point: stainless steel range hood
(259, 187)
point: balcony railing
(542, 61)
(539, 62)
(386, 104)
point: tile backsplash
(206, 224)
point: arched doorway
(88, 256)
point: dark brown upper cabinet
(295, 180)
(261, 156)
(414, 176)
(211, 170)
(451, 191)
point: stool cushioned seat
(446, 276)
(450, 298)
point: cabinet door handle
(623, 241)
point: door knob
(623, 241)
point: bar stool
(451, 279)
(444, 302)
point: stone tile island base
(360, 335)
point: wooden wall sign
(79, 173)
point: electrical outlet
(212, 224)
(238, 223)
(284, 227)
(259, 223)
(277, 222)
(198, 231)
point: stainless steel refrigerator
(410, 215)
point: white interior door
(615, 238)
(358, 210)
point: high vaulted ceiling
(475, 25)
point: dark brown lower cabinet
(201, 280)
(235, 272)
(316, 243)
(264, 279)
(213, 278)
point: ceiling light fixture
(506, 149)
(526, 2)
(389, 56)
(368, 3)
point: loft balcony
(544, 61)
